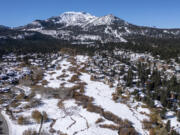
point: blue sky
(159, 13)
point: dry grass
(100, 120)
(20, 96)
(72, 69)
(110, 126)
(61, 104)
(37, 116)
(83, 70)
(62, 76)
(93, 108)
(76, 87)
(44, 82)
(74, 78)
(82, 98)
(112, 117)
(127, 131)
(114, 96)
(15, 104)
(1, 101)
(82, 89)
(30, 96)
(30, 132)
(45, 117)
(92, 78)
(58, 67)
(22, 120)
(147, 124)
(52, 73)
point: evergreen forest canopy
(165, 48)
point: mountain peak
(75, 18)
(110, 16)
(105, 20)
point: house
(177, 69)
(4, 77)
(5, 90)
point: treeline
(40, 46)
(165, 48)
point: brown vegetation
(15, 104)
(147, 124)
(74, 78)
(22, 120)
(127, 131)
(100, 120)
(61, 104)
(37, 116)
(20, 96)
(30, 132)
(44, 82)
(110, 126)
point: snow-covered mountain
(84, 27)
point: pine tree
(129, 77)
(163, 113)
(178, 116)
(168, 126)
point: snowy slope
(72, 118)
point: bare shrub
(76, 87)
(30, 132)
(119, 90)
(147, 124)
(45, 116)
(20, 96)
(100, 120)
(15, 104)
(52, 73)
(22, 120)
(34, 132)
(44, 82)
(94, 108)
(127, 131)
(82, 89)
(114, 96)
(83, 70)
(58, 67)
(37, 116)
(61, 104)
(31, 95)
(92, 78)
(37, 75)
(1, 101)
(73, 69)
(74, 78)
(152, 132)
(84, 100)
(35, 103)
(110, 126)
(61, 133)
(110, 116)
(154, 118)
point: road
(3, 126)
